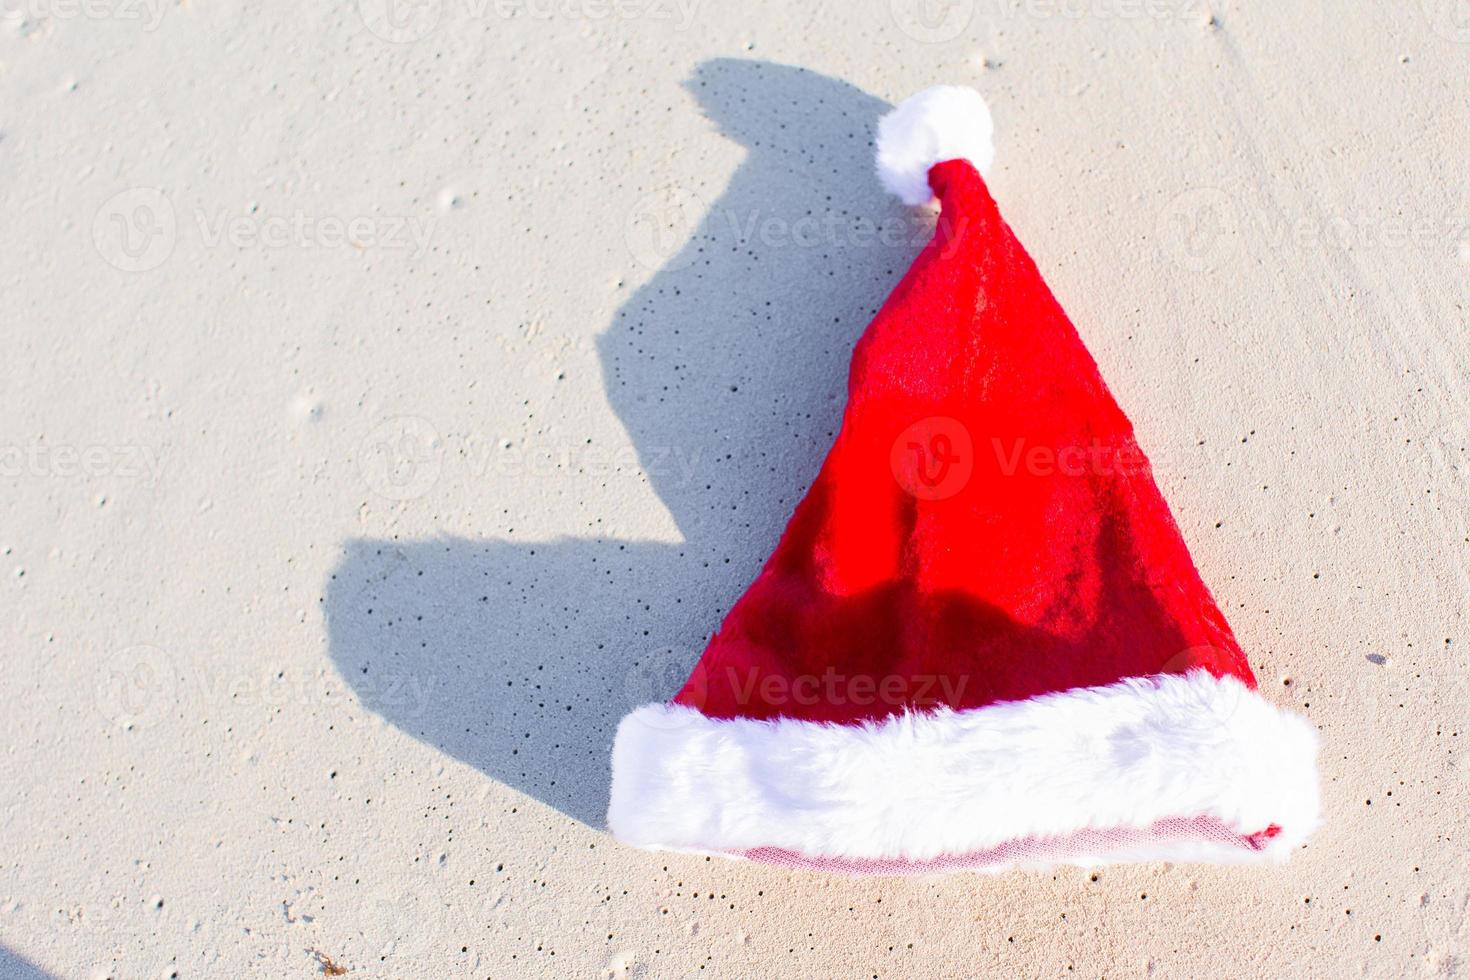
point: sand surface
(393, 396)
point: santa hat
(981, 641)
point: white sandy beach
(395, 394)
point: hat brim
(1170, 767)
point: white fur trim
(943, 123)
(918, 786)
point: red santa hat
(981, 641)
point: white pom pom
(943, 123)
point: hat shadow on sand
(728, 371)
(15, 967)
(727, 368)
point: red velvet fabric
(985, 527)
